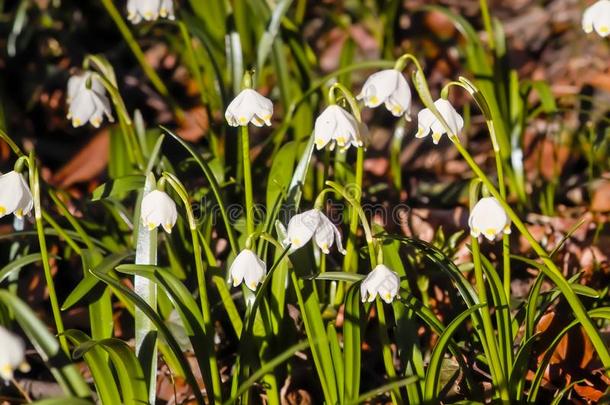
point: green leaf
(17, 264)
(188, 309)
(100, 370)
(340, 276)
(64, 372)
(86, 285)
(117, 188)
(433, 373)
(163, 329)
(351, 344)
(128, 369)
(281, 172)
(63, 401)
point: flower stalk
(552, 271)
(179, 188)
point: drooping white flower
(488, 218)
(336, 125)
(427, 121)
(15, 195)
(149, 10)
(597, 18)
(249, 268)
(390, 87)
(381, 281)
(249, 106)
(313, 223)
(12, 354)
(87, 104)
(158, 209)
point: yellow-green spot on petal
(2, 210)
(604, 29)
(436, 136)
(76, 122)
(374, 99)
(243, 120)
(6, 371)
(296, 241)
(341, 140)
(388, 296)
(151, 226)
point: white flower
(247, 267)
(427, 121)
(381, 281)
(12, 354)
(390, 87)
(15, 195)
(488, 218)
(597, 17)
(87, 103)
(335, 125)
(149, 10)
(249, 106)
(313, 223)
(158, 209)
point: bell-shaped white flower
(249, 268)
(87, 100)
(313, 223)
(15, 195)
(488, 218)
(337, 126)
(427, 121)
(12, 354)
(149, 10)
(249, 106)
(381, 281)
(597, 18)
(389, 87)
(158, 209)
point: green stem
(487, 23)
(387, 351)
(507, 341)
(35, 186)
(363, 220)
(495, 363)
(201, 284)
(245, 153)
(353, 224)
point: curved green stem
(363, 220)
(506, 274)
(35, 186)
(201, 284)
(552, 271)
